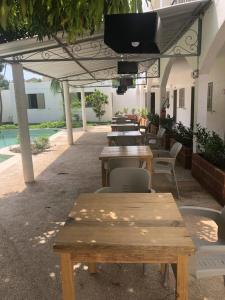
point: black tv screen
(127, 67)
(125, 81)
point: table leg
(182, 278)
(149, 165)
(104, 174)
(92, 268)
(67, 276)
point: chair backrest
(129, 180)
(161, 132)
(123, 162)
(175, 149)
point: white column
(201, 92)
(83, 107)
(69, 125)
(21, 107)
(200, 113)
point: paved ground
(31, 215)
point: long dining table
(143, 153)
(124, 228)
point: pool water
(10, 136)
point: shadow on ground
(30, 219)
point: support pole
(201, 94)
(21, 106)
(83, 106)
(68, 113)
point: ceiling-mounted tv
(127, 67)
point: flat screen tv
(127, 67)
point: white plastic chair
(209, 259)
(164, 162)
(121, 163)
(128, 180)
(155, 140)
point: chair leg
(166, 276)
(175, 179)
(224, 280)
(145, 269)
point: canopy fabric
(89, 60)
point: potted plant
(168, 124)
(208, 165)
(154, 123)
(183, 135)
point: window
(181, 98)
(36, 101)
(210, 96)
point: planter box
(212, 178)
(132, 118)
(185, 155)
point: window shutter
(41, 101)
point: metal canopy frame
(89, 60)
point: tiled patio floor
(31, 215)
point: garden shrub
(153, 119)
(53, 124)
(211, 146)
(183, 134)
(167, 123)
(8, 126)
(40, 144)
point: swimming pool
(9, 136)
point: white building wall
(216, 118)
(90, 114)
(53, 110)
(180, 77)
(133, 98)
(7, 115)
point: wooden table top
(123, 133)
(126, 151)
(124, 124)
(149, 222)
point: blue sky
(27, 75)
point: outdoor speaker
(127, 67)
(131, 33)
(121, 89)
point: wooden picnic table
(115, 135)
(124, 127)
(124, 228)
(143, 153)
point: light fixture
(135, 44)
